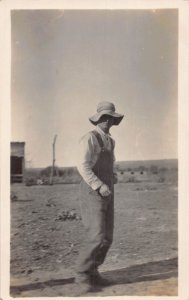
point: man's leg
(108, 232)
(93, 210)
(109, 226)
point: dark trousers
(98, 218)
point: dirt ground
(45, 244)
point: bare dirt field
(45, 241)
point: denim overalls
(97, 214)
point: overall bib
(97, 214)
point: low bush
(29, 181)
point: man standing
(96, 157)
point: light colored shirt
(88, 154)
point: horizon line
(142, 160)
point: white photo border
(183, 129)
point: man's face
(106, 122)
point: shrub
(131, 179)
(154, 169)
(47, 171)
(163, 170)
(29, 181)
(141, 169)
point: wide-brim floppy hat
(106, 108)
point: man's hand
(104, 190)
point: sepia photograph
(94, 152)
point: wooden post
(53, 160)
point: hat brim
(117, 117)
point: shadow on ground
(158, 270)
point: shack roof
(17, 149)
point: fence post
(53, 160)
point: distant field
(127, 171)
(161, 163)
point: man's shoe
(97, 279)
(82, 289)
(83, 284)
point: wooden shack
(17, 161)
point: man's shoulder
(89, 136)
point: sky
(66, 61)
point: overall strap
(99, 139)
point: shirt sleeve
(86, 156)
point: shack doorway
(16, 165)
(17, 161)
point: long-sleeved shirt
(88, 153)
